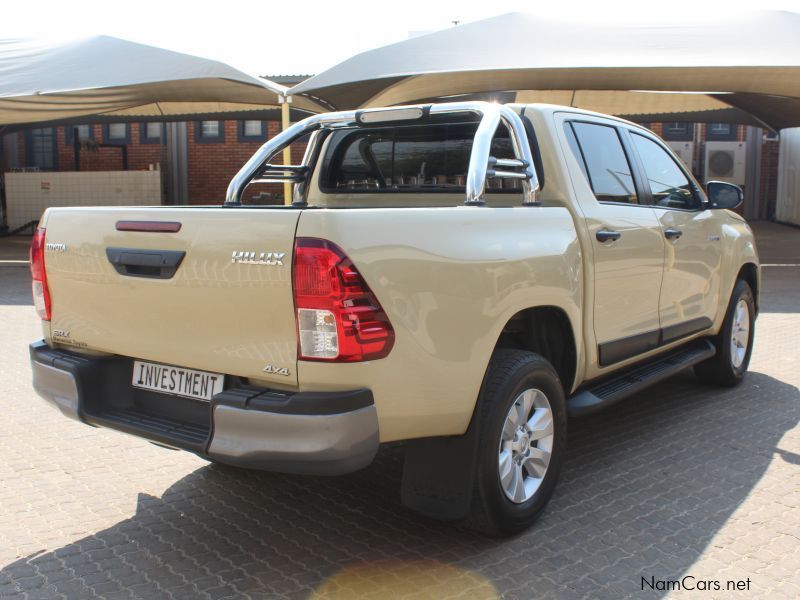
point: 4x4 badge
(276, 370)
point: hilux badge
(272, 259)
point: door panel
(691, 284)
(627, 281)
(692, 266)
(627, 270)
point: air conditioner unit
(684, 151)
(725, 161)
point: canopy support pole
(287, 151)
(753, 202)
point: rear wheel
(734, 342)
(521, 439)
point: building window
(252, 131)
(722, 132)
(209, 132)
(151, 133)
(116, 133)
(40, 148)
(678, 132)
(85, 132)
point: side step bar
(598, 396)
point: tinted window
(606, 164)
(409, 158)
(117, 131)
(576, 150)
(209, 129)
(153, 131)
(84, 133)
(252, 128)
(668, 184)
(42, 148)
(678, 132)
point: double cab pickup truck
(459, 277)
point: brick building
(210, 153)
(704, 138)
(216, 149)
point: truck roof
(549, 109)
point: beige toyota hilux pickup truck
(462, 277)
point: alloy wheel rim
(526, 445)
(740, 333)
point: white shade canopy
(744, 67)
(108, 77)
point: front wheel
(734, 342)
(522, 433)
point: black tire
(510, 373)
(720, 369)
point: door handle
(672, 233)
(605, 235)
(156, 264)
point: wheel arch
(749, 273)
(548, 331)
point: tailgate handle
(156, 264)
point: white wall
(29, 194)
(787, 207)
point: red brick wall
(140, 156)
(212, 165)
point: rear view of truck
(298, 338)
(179, 325)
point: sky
(292, 37)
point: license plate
(190, 383)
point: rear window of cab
(410, 158)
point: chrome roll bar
(481, 163)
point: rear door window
(604, 161)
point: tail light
(339, 319)
(41, 295)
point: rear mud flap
(438, 475)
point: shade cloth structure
(745, 67)
(110, 77)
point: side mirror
(723, 195)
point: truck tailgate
(217, 312)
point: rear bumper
(313, 433)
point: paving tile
(680, 480)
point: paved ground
(14, 249)
(680, 480)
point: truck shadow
(15, 285)
(645, 487)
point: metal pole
(287, 152)
(76, 148)
(177, 163)
(492, 113)
(753, 202)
